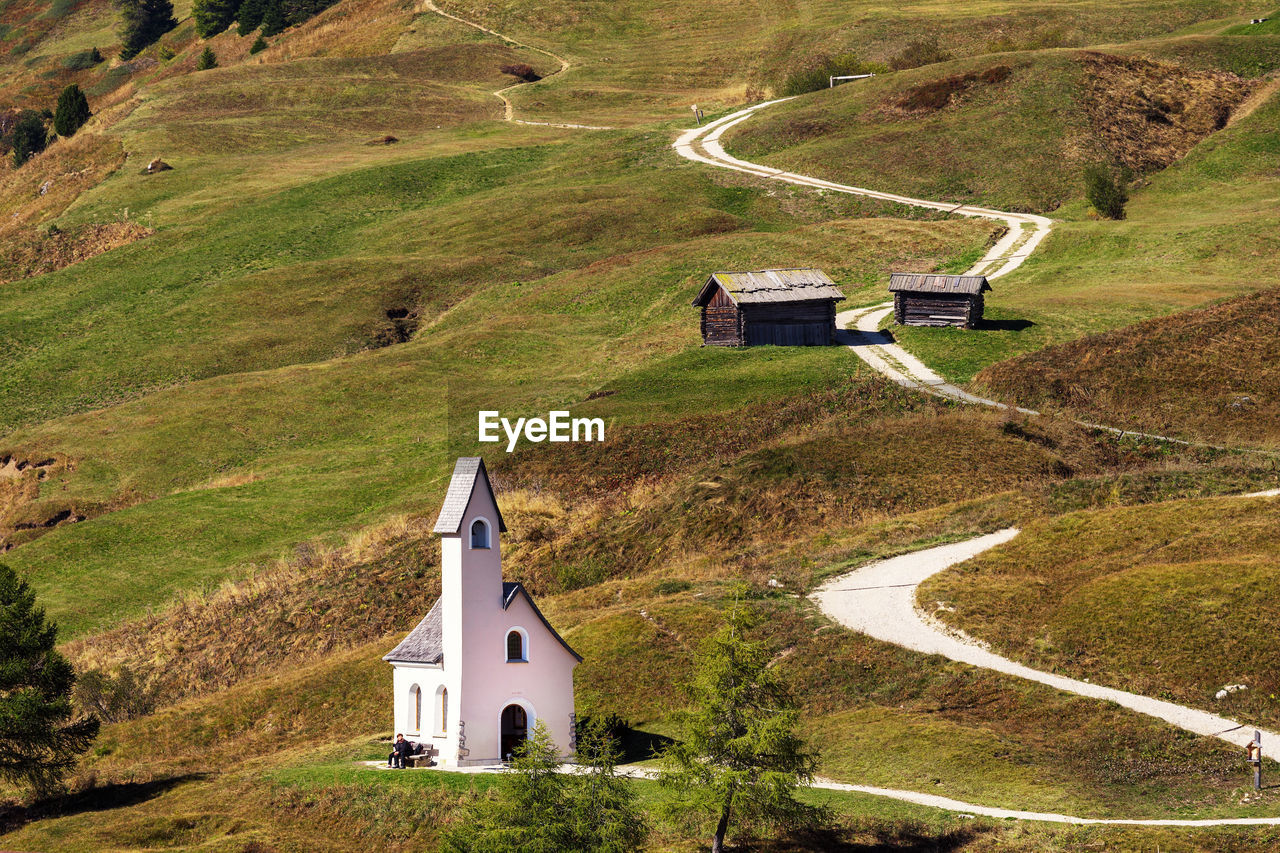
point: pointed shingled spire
(465, 474)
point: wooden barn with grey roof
(785, 307)
(928, 299)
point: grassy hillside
(1088, 595)
(1205, 374)
(931, 132)
(231, 392)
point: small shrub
(115, 698)
(928, 97)
(818, 75)
(208, 59)
(934, 95)
(165, 53)
(259, 45)
(923, 51)
(523, 71)
(1106, 190)
(82, 60)
(72, 112)
(29, 137)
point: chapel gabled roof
(424, 644)
(466, 472)
(511, 589)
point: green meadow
(240, 424)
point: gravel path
(879, 600)
(1024, 233)
(931, 800)
(508, 110)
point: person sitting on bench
(399, 752)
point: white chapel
(484, 665)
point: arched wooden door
(515, 729)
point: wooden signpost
(1255, 758)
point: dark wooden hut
(795, 307)
(926, 299)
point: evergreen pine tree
(72, 111)
(208, 59)
(214, 16)
(738, 755)
(249, 17)
(602, 813)
(259, 44)
(142, 22)
(273, 18)
(29, 137)
(39, 741)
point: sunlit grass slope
(1194, 233)
(1167, 600)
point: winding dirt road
(508, 109)
(879, 599)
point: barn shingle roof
(423, 644)
(914, 282)
(789, 285)
(465, 473)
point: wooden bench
(424, 758)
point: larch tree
(538, 809)
(39, 739)
(738, 756)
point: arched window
(415, 709)
(479, 533)
(516, 650)
(442, 711)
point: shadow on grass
(881, 840)
(99, 798)
(1003, 325)
(639, 746)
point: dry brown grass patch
(37, 253)
(1150, 114)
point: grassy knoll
(1014, 140)
(302, 430)
(1205, 374)
(1166, 600)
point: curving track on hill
(859, 328)
(888, 611)
(508, 109)
(879, 599)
